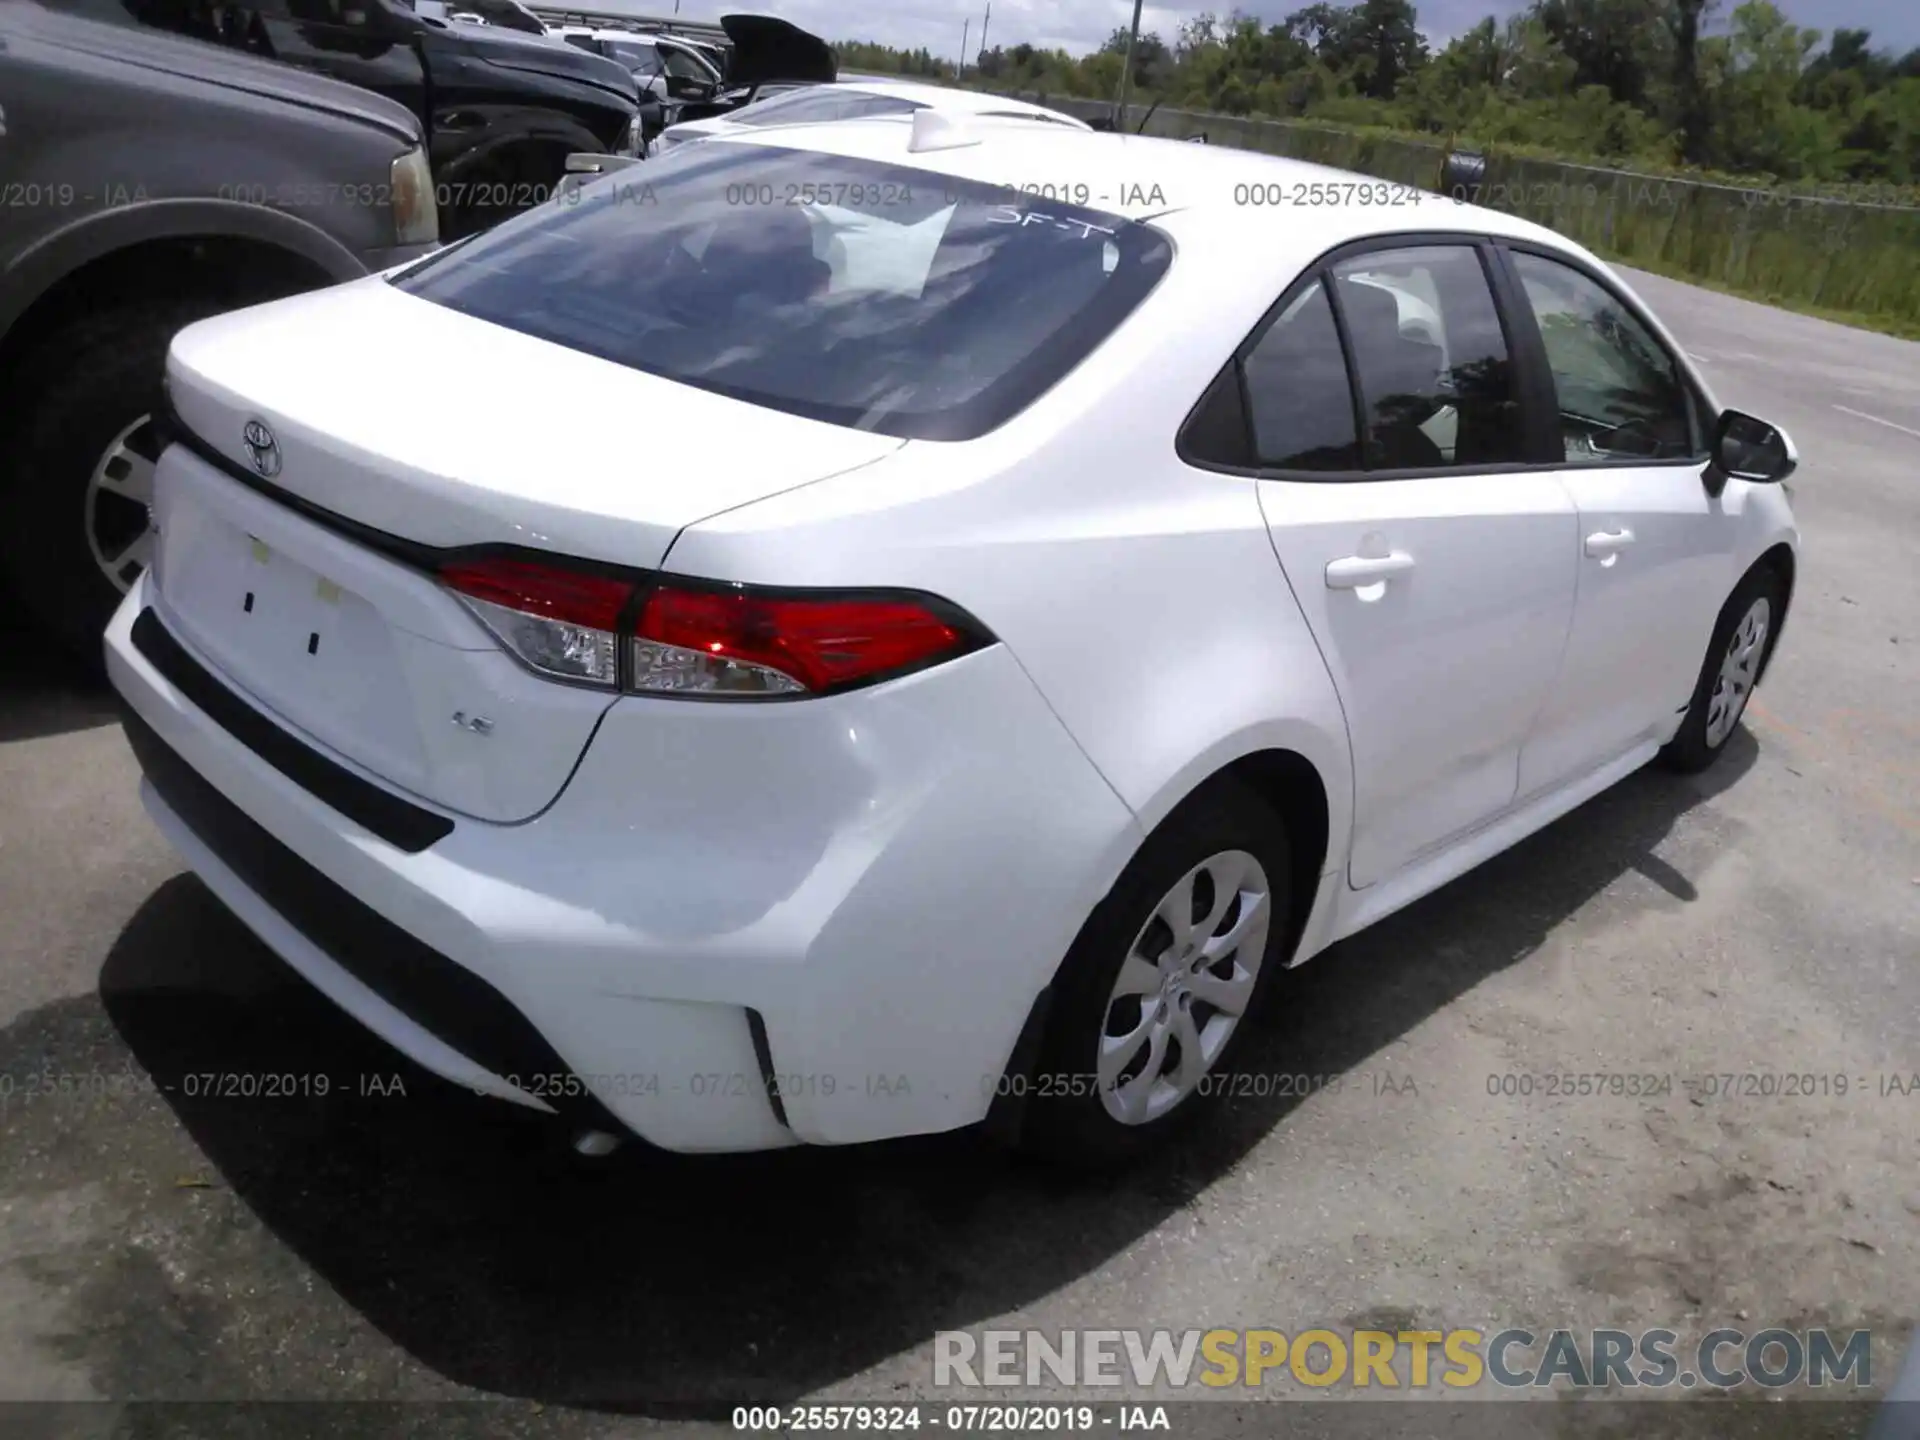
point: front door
(1655, 547)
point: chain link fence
(1844, 255)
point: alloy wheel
(119, 513)
(1185, 984)
(1739, 669)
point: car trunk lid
(345, 443)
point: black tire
(1690, 751)
(1066, 1119)
(77, 389)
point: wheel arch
(1283, 777)
(504, 160)
(1293, 787)
(514, 133)
(1784, 563)
(113, 263)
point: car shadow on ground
(465, 1232)
(45, 692)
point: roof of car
(1194, 191)
(938, 97)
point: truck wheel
(76, 466)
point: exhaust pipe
(595, 1144)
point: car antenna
(1142, 129)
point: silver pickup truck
(147, 181)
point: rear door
(1434, 567)
(1655, 547)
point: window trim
(1525, 350)
(1356, 393)
(1535, 420)
(1699, 422)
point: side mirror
(1747, 448)
(1199, 139)
(680, 87)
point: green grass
(1897, 326)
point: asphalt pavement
(398, 1240)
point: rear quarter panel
(1143, 597)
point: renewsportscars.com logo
(1723, 1359)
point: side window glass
(639, 58)
(1298, 391)
(1620, 394)
(681, 65)
(1436, 381)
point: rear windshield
(874, 296)
(821, 105)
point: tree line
(1669, 84)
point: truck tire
(76, 464)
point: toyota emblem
(262, 448)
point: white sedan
(854, 99)
(1007, 602)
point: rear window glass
(863, 294)
(821, 106)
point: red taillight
(732, 642)
(593, 601)
(695, 639)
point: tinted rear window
(822, 105)
(879, 297)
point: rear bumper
(737, 927)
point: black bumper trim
(399, 822)
(763, 1057)
(439, 994)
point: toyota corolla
(1003, 598)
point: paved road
(426, 1246)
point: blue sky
(1082, 24)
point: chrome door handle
(1609, 542)
(1357, 570)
